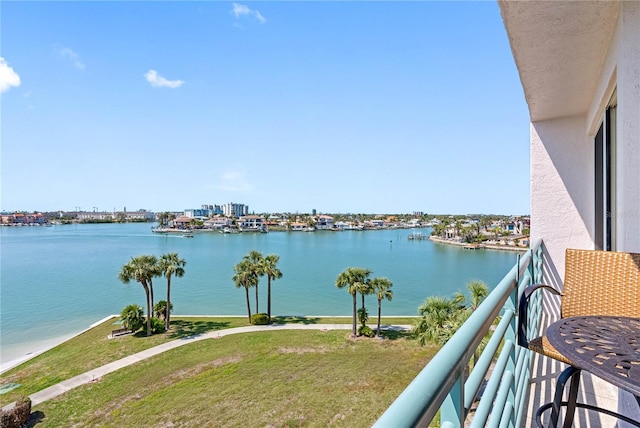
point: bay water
(57, 281)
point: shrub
(160, 309)
(363, 316)
(365, 330)
(132, 317)
(18, 416)
(259, 319)
(157, 325)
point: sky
(289, 106)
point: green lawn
(93, 349)
(276, 378)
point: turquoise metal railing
(441, 385)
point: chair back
(603, 283)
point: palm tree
(365, 288)
(141, 269)
(160, 310)
(439, 320)
(132, 317)
(382, 290)
(270, 269)
(478, 291)
(352, 279)
(255, 259)
(170, 265)
(245, 277)
(154, 270)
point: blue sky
(367, 107)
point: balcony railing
(444, 385)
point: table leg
(572, 373)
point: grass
(276, 379)
(93, 349)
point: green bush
(363, 316)
(365, 330)
(18, 416)
(157, 325)
(259, 319)
(132, 317)
(160, 309)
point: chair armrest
(523, 310)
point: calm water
(58, 280)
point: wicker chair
(600, 283)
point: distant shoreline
(512, 248)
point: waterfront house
(252, 223)
(182, 222)
(298, 226)
(579, 65)
(22, 218)
(218, 222)
(323, 222)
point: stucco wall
(562, 187)
(562, 162)
(628, 124)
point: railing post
(452, 409)
(511, 304)
(440, 385)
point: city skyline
(361, 107)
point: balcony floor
(593, 391)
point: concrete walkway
(95, 374)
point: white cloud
(156, 80)
(233, 181)
(72, 56)
(8, 77)
(240, 10)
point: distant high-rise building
(232, 209)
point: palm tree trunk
(147, 292)
(257, 309)
(151, 291)
(379, 313)
(167, 315)
(246, 289)
(269, 298)
(355, 303)
(362, 300)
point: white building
(324, 222)
(252, 222)
(232, 209)
(579, 64)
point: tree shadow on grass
(182, 328)
(391, 333)
(35, 418)
(293, 319)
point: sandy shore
(12, 356)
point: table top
(608, 347)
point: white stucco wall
(627, 50)
(562, 156)
(562, 187)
